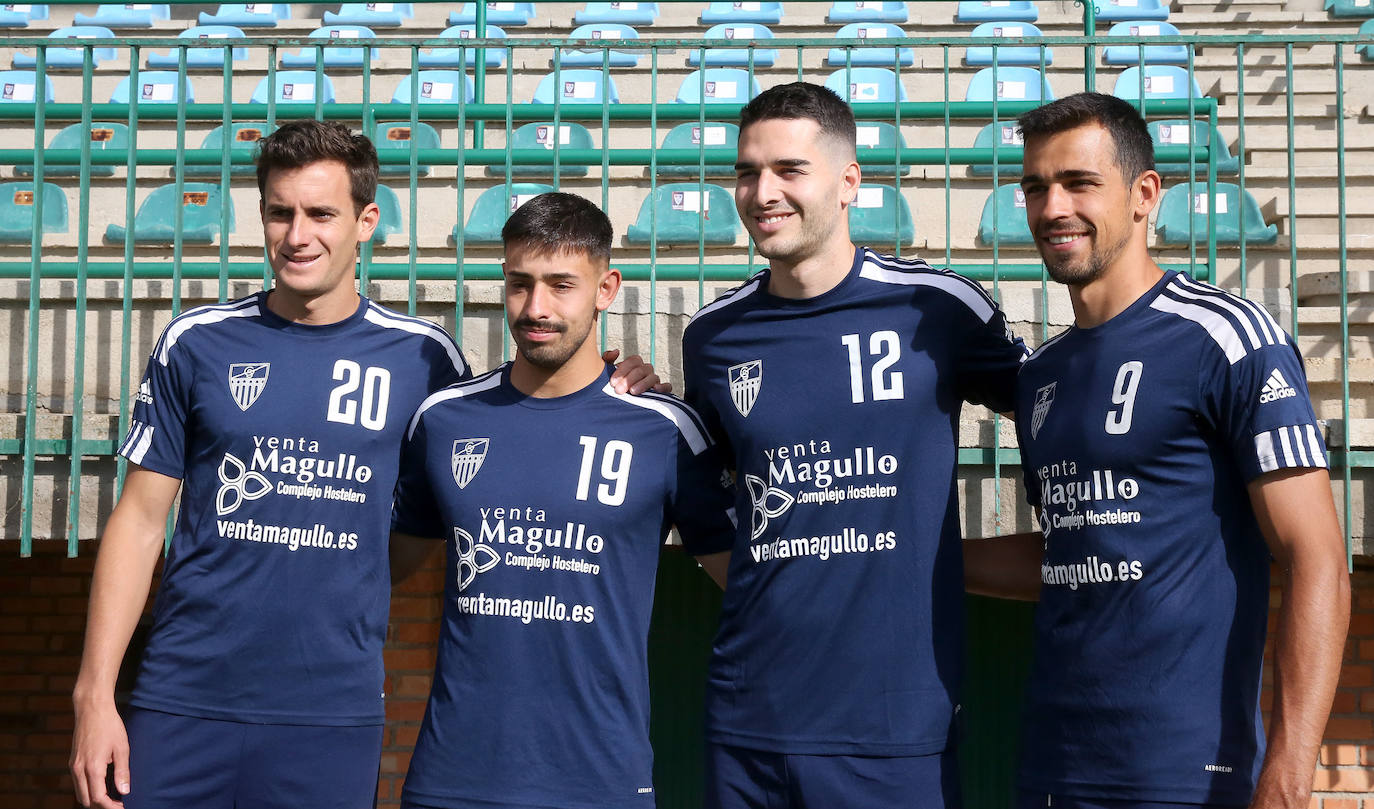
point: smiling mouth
(1064, 238)
(300, 259)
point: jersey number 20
(345, 399)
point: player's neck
(318, 310)
(814, 275)
(581, 370)
(1121, 285)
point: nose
(1057, 203)
(537, 302)
(768, 189)
(298, 234)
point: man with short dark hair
(836, 377)
(553, 494)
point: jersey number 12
(886, 384)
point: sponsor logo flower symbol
(473, 557)
(237, 484)
(766, 502)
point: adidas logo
(1275, 388)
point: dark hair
(1135, 151)
(297, 144)
(559, 223)
(803, 100)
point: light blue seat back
(735, 57)
(717, 85)
(875, 57)
(979, 55)
(372, 15)
(1009, 83)
(765, 13)
(17, 207)
(576, 87)
(1350, 8)
(880, 217)
(436, 87)
(1004, 221)
(867, 11)
(504, 14)
(540, 135)
(1152, 54)
(389, 220)
(994, 10)
(154, 87)
(133, 15)
(1159, 81)
(493, 207)
(1235, 215)
(685, 214)
(18, 15)
(248, 15)
(875, 136)
(1118, 10)
(864, 84)
(102, 135)
(202, 58)
(294, 87)
(716, 138)
(628, 13)
(21, 87)
(70, 58)
(243, 140)
(465, 57)
(334, 56)
(1006, 139)
(155, 222)
(1200, 133)
(395, 138)
(609, 32)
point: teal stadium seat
(396, 138)
(493, 207)
(17, 208)
(879, 136)
(997, 10)
(202, 58)
(372, 15)
(1009, 83)
(1235, 215)
(133, 15)
(294, 87)
(154, 87)
(389, 220)
(505, 14)
(112, 136)
(1159, 81)
(685, 213)
(18, 16)
(1119, 10)
(1350, 8)
(1366, 30)
(155, 222)
(541, 136)
(248, 15)
(70, 58)
(243, 140)
(720, 138)
(864, 84)
(742, 11)
(1006, 138)
(874, 57)
(464, 57)
(627, 13)
(867, 11)
(333, 56)
(880, 217)
(436, 87)
(979, 55)
(19, 87)
(576, 87)
(1153, 54)
(717, 85)
(595, 57)
(735, 57)
(1007, 224)
(1179, 133)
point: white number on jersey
(376, 391)
(1123, 397)
(615, 470)
(888, 349)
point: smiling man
(836, 377)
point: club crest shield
(745, 380)
(468, 455)
(1043, 399)
(246, 382)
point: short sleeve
(702, 500)
(694, 394)
(415, 510)
(989, 358)
(158, 423)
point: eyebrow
(276, 207)
(1070, 174)
(786, 162)
(553, 277)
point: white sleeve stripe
(695, 437)
(1298, 443)
(1266, 322)
(144, 442)
(422, 328)
(1264, 452)
(734, 296)
(1241, 315)
(134, 428)
(481, 383)
(1218, 328)
(1267, 325)
(686, 408)
(200, 317)
(976, 301)
(1288, 458)
(1318, 453)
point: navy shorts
(1040, 800)
(183, 761)
(738, 778)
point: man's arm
(1004, 567)
(408, 554)
(717, 566)
(128, 554)
(1298, 518)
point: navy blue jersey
(1138, 438)
(553, 511)
(842, 626)
(286, 437)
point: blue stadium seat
(867, 11)
(294, 87)
(1178, 208)
(1350, 8)
(875, 57)
(1160, 81)
(1179, 133)
(540, 136)
(18, 16)
(1003, 136)
(201, 58)
(396, 137)
(155, 222)
(576, 87)
(627, 13)
(1119, 10)
(506, 14)
(389, 221)
(134, 15)
(720, 138)
(717, 85)
(767, 13)
(248, 15)
(1366, 30)
(372, 15)
(1007, 225)
(1011, 54)
(866, 84)
(1153, 54)
(735, 57)
(1009, 84)
(70, 58)
(595, 57)
(879, 136)
(493, 207)
(880, 217)
(436, 87)
(154, 87)
(102, 136)
(997, 10)
(243, 140)
(464, 57)
(335, 56)
(684, 213)
(17, 208)
(20, 87)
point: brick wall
(42, 614)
